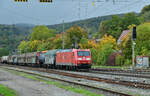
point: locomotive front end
(84, 59)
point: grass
(119, 67)
(58, 84)
(5, 91)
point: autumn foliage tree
(41, 39)
(105, 47)
(73, 36)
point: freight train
(59, 58)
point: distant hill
(24, 25)
(12, 35)
(91, 24)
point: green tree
(23, 47)
(42, 33)
(42, 46)
(4, 52)
(143, 41)
(117, 24)
(145, 17)
(33, 45)
(58, 43)
(145, 9)
(73, 36)
(130, 19)
(103, 53)
(105, 47)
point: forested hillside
(92, 24)
(108, 31)
(10, 37)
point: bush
(119, 60)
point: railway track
(122, 74)
(98, 79)
(122, 71)
(85, 85)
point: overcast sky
(34, 12)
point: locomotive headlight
(79, 58)
(88, 58)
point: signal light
(21, 0)
(45, 0)
(134, 33)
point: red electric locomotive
(75, 58)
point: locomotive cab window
(83, 53)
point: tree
(4, 52)
(117, 24)
(144, 17)
(23, 47)
(33, 45)
(58, 43)
(104, 48)
(42, 46)
(103, 28)
(42, 33)
(73, 36)
(87, 44)
(130, 19)
(108, 39)
(103, 53)
(143, 41)
(111, 27)
(145, 9)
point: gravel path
(28, 87)
(114, 87)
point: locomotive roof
(70, 50)
(51, 52)
(66, 50)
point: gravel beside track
(114, 87)
(28, 87)
(117, 76)
(139, 71)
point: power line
(122, 7)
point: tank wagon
(60, 58)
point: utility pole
(133, 46)
(63, 43)
(133, 56)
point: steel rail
(98, 79)
(84, 85)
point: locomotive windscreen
(83, 53)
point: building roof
(123, 36)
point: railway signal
(134, 33)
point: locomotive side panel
(65, 58)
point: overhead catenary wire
(117, 9)
(91, 12)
